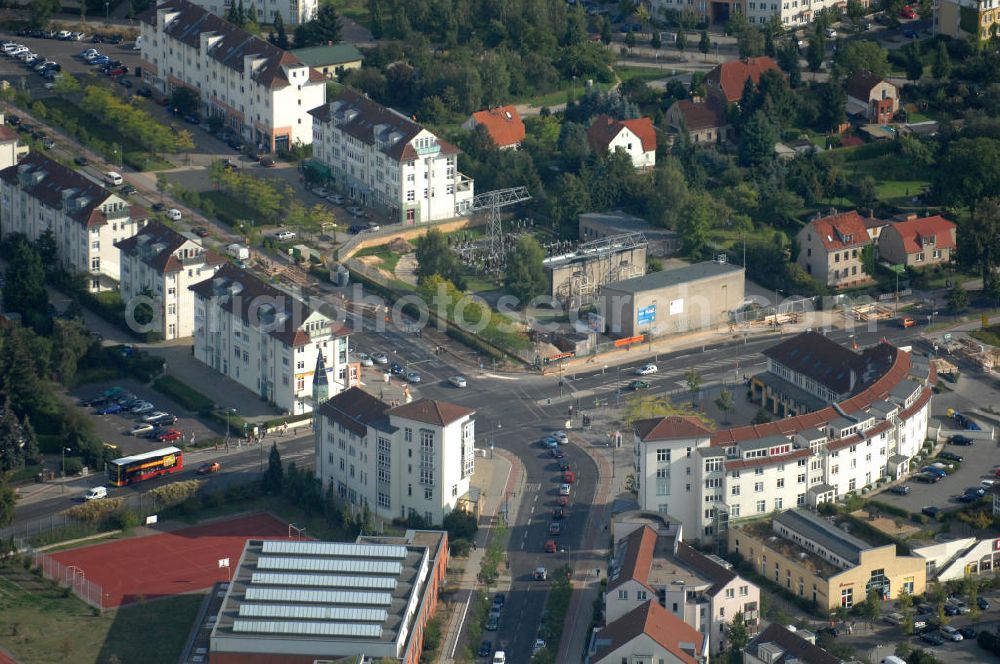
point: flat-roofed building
(601, 225)
(299, 602)
(813, 558)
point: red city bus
(138, 467)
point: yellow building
(812, 558)
(967, 18)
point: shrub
(72, 466)
(175, 493)
(95, 511)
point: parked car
(396, 369)
(485, 649)
(142, 407)
(967, 632)
(267, 162)
(959, 439)
(927, 478)
(380, 358)
(899, 489)
(284, 236)
(200, 231)
(365, 360)
(499, 600)
(831, 33)
(561, 436)
(930, 510)
(564, 489)
(458, 381)
(646, 370)
(548, 442)
(951, 456)
(540, 574)
(559, 513)
(413, 377)
(639, 385)
(110, 409)
(336, 199)
(140, 429)
(96, 493)
(169, 435)
(557, 454)
(983, 603)
(174, 214)
(356, 211)
(950, 633)
(539, 644)
(550, 546)
(907, 12)
(932, 639)
(562, 501)
(210, 467)
(555, 528)
(493, 623)
(321, 192)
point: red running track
(169, 563)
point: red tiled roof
(604, 129)
(914, 231)
(835, 230)
(429, 411)
(731, 76)
(671, 427)
(660, 625)
(503, 124)
(355, 409)
(877, 391)
(743, 464)
(851, 141)
(637, 559)
(7, 134)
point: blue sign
(646, 315)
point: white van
(238, 251)
(892, 659)
(96, 493)
(499, 657)
(114, 179)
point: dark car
(145, 92)
(267, 162)
(13, 120)
(639, 385)
(930, 510)
(396, 369)
(200, 231)
(158, 207)
(128, 190)
(124, 82)
(967, 498)
(951, 456)
(556, 454)
(951, 610)
(559, 513)
(499, 601)
(931, 638)
(81, 161)
(485, 649)
(959, 439)
(983, 603)
(357, 228)
(899, 489)
(563, 466)
(927, 478)
(235, 144)
(192, 119)
(967, 632)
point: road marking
(490, 375)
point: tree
(280, 36)
(24, 291)
(913, 65)
(738, 639)
(816, 52)
(235, 13)
(376, 20)
(40, 11)
(185, 101)
(7, 500)
(958, 299)
(941, 67)
(981, 246)
(630, 40)
(694, 224)
(904, 604)
(970, 588)
(968, 172)
(525, 274)
(434, 256)
(704, 44)
(326, 27)
(460, 525)
(655, 41)
(868, 259)
(693, 380)
(67, 84)
(788, 60)
(274, 477)
(873, 606)
(757, 141)
(725, 403)
(856, 56)
(47, 250)
(682, 41)
(832, 103)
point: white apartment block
(262, 92)
(383, 159)
(161, 264)
(39, 194)
(708, 479)
(11, 149)
(265, 339)
(292, 12)
(414, 459)
(651, 560)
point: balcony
(464, 183)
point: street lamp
(107, 12)
(63, 451)
(229, 413)
(776, 291)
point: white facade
(791, 12)
(161, 265)
(40, 195)
(383, 159)
(265, 339)
(708, 479)
(292, 12)
(629, 143)
(261, 92)
(414, 459)
(956, 559)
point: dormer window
(848, 239)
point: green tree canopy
(968, 172)
(435, 257)
(757, 142)
(856, 56)
(525, 274)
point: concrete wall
(696, 305)
(364, 242)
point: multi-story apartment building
(830, 249)
(413, 459)
(161, 264)
(650, 561)
(40, 194)
(709, 479)
(263, 93)
(385, 160)
(964, 19)
(11, 149)
(265, 339)
(292, 12)
(817, 560)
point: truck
(238, 251)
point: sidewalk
(496, 476)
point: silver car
(458, 381)
(365, 359)
(413, 376)
(380, 358)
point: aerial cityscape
(499, 332)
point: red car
(208, 468)
(550, 546)
(907, 12)
(169, 436)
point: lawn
(561, 96)
(41, 625)
(644, 73)
(389, 258)
(988, 335)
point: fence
(65, 576)
(29, 529)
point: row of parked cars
(61, 35)
(149, 423)
(37, 63)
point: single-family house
(503, 124)
(918, 241)
(830, 249)
(636, 138)
(726, 81)
(871, 98)
(704, 120)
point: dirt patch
(897, 527)
(375, 263)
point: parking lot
(113, 428)
(62, 52)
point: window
(800, 499)
(662, 455)
(801, 479)
(919, 257)
(734, 511)
(713, 465)
(408, 434)
(761, 506)
(778, 502)
(734, 490)
(781, 482)
(730, 593)
(641, 595)
(847, 598)
(758, 487)
(622, 594)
